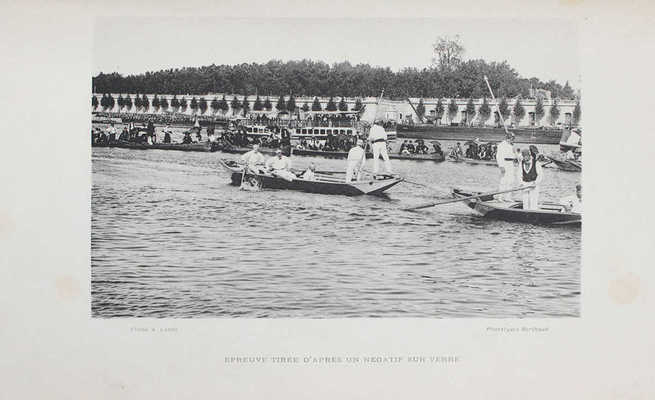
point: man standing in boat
(253, 158)
(532, 174)
(505, 159)
(356, 160)
(378, 138)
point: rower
(167, 134)
(356, 160)
(532, 174)
(280, 166)
(573, 203)
(505, 158)
(253, 158)
(187, 138)
(378, 137)
(309, 175)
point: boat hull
(438, 157)
(547, 214)
(328, 185)
(431, 132)
(201, 147)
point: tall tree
(484, 111)
(331, 106)
(268, 105)
(519, 111)
(358, 104)
(202, 104)
(577, 113)
(420, 109)
(258, 106)
(194, 104)
(111, 102)
(316, 105)
(120, 102)
(128, 103)
(470, 111)
(163, 103)
(235, 105)
(94, 102)
(503, 107)
(245, 105)
(539, 111)
(145, 103)
(447, 52)
(452, 110)
(305, 107)
(175, 103)
(554, 112)
(343, 106)
(291, 104)
(183, 104)
(138, 102)
(215, 105)
(155, 102)
(439, 109)
(281, 104)
(223, 106)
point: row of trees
(484, 111)
(462, 79)
(142, 102)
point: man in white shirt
(280, 166)
(378, 138)
(505, 159)
(308, 175)
(573, 203)
(356, 160)
(531, 175)
(253, 158)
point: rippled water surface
(171, 238)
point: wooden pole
(466, 198)
(496, 103)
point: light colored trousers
(352, 170)
(530, 198)
(380, 149)
(506, 183)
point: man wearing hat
(531, 174)
(378, 138)
(505, 159)
(356, 160)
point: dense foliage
(484, 111)
(539, 110)
(316, 78)
(420, 109)
(519, 111)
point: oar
(438, 203)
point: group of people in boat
(475, 150)
(280, 165)
(419, 146)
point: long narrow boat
(438, 157)
(467, 160)
(568, 165)
(202, 147)
(323, 184)
(547, 214)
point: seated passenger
(308, 175)
(573, 203)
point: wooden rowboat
(202, 147)
(568, 165)
(547, 214)
(323, 184)
(438, 157)
(474, 161)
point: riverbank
(527, 136)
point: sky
(542, 48)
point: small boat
(438, 157)
(202, 147)
(567, 165)
(547, 214)
(467, 160)
(323, 184)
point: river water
(171, 238)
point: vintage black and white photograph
(335, 168)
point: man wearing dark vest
(531, 175)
